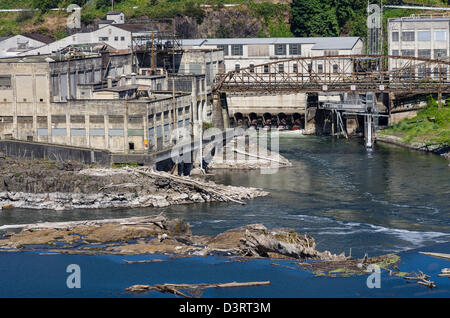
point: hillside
(210, 18)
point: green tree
(313, 18)
(44, 5)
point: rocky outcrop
(157, 234)
(45, 184)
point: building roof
(105, 21)
(420, 19)
(39, 37)
(132, 27)
(2, 38)
(320, 43)
(114, 13)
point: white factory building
(246, 52)
(419, 36)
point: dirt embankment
(46, 184)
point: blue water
(30, 274)
(385, 200)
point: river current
(387, 199)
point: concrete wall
(396, 117)
(30, 150)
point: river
(387, 199)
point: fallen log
(199, 185)
(158, 220)
(438, 255)
(174, 288)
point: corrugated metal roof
(320, 43)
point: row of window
(105, 38)
(410, 36)
(279, 49)
(422, 53)
(280, 68)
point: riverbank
(428, 131)
(47, 184)
(443, 151)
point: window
(395, 53)
(440, 35)
(331, 53)
(103, 38)
(407, 52)
(319, 68)
(295, 49)
(5, 81)
(224, 48)
(425, 54)
(408, 36)
(424, 36)
(252, 68)
(395, 36)
(440, 53)
(280, 68)
(122, 38)
(335, 68)
(131, 145)
(116, 38)
(236, 49)
(266, 68)
(280, 49)
(237, 67)
(294, 68)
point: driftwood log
(175, 288)
(438, 255)
(158, 220)
(421, 279)
(202, 186)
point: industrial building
(422, 36)
(249, 52)
(77, 102)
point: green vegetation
(430, 127)
(123, 165)
(207, 125)
(300, 18)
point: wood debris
(421, 279)
(445, 272)
(194, 288)
(438, 255)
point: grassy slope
(429, 127)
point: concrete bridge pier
(220, 111)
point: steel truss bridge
(399, 75)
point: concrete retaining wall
(30, 150)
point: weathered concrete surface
(240, 153)
(46, 184)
